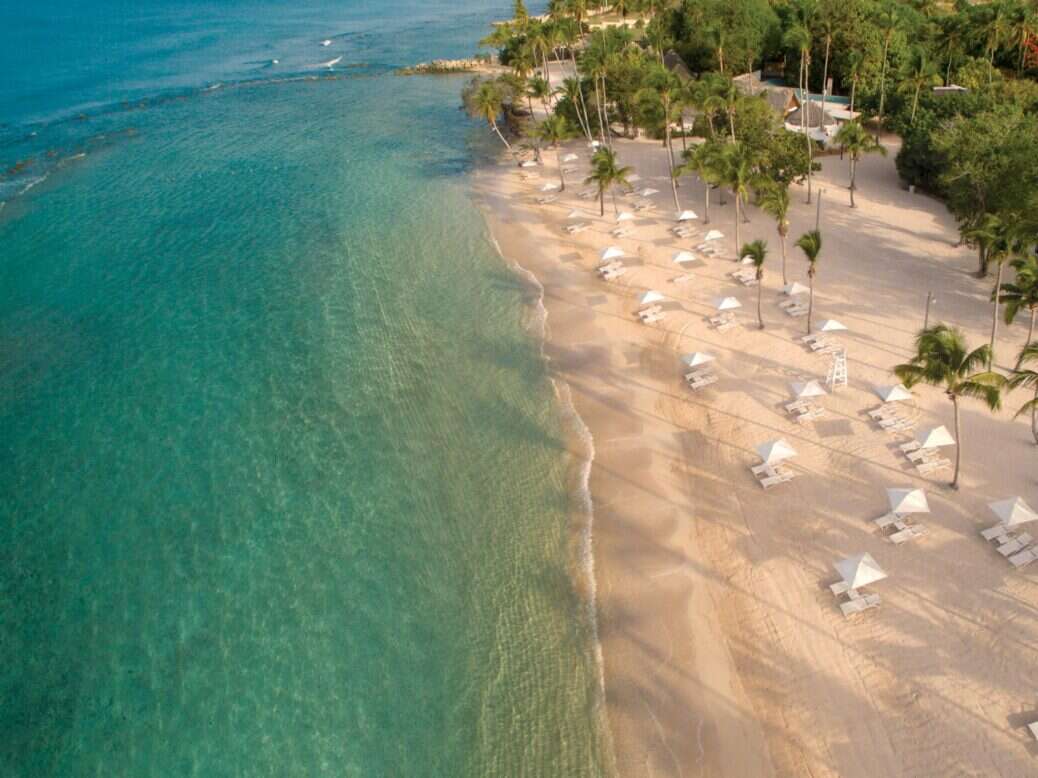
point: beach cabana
(625, 216)
(651, 296)
(830, 325)
(808, 389)
(775, 451)
(726, 303)
(1013, 512)
(794, 288)
(935, 438)
(613, 252)
(697, 358)
(904, 501)
(890, 394)
(687, 216)
(713, 235)
(683, 256)
(860, 570)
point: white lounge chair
(573, 229)
(1023, 559)
(992, 533)
(547, 199)
(621, 232)
(701, 382)
(653, 318)
(840, 587)
(860, 604)
(612, 275)
(934, 466)
(797, 311)
(775, 480)
(908, 533)
(684, 278)
(886, 520)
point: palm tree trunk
(601, 202)
(580, 91)
(1034, 416)
(804, 111)
(562, 175)
(760, 316)
(854, 88)
(616, 207)
(982, 253)
(958, 443)
(915, 102)
(670, 161)
(508, 145)
(737, 244)
(825, 75)
(598, 110)
(731, 124)
(853, 171)
(706, 213)
(810, 300)
(994, 316)
(883, 79)
(681, 123)
(782, 243)
(605, 112)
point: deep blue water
(284, 487)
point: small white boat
(326, 42)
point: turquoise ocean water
(283, 481)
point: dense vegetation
(975, 146)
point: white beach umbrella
(570, 158)
(648, 192)
(860, 570)
(684, 256)
(714, 235)
(808, 389)
(613, 252)
(795, 288)
(698, 358)
(652, 296)
(1013, 511)
(687, 216)
(935, 437)
(830, 325)
(576, 213)
(776, 451)
(891, 394)
(726, 303)
(908, 501)
(625, 216)
(549, 187)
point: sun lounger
(775, 480)
(886, 520)
(884, 412)
(573, 229)
(725, 325)
(900, 425)
(997, 531)
(923, 455)
(700, 383)
(652, 309)
(695, 375)
(720, 318)
(587, 194)
(614, 274)
(908, 533)
(1023, 559)
(1010, 548)
(684, 278)
(569, 169)
(797, 406)
(926, 468)
(547, 199)
(813, 337)
(840, 587)
(621, 232)
(811, 415)
(912, 445)
(616, 265)
(891, 421)
(815, 344)
(653, 318)
(784, 304)
(859, 604)
(796, 311)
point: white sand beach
(725, 651)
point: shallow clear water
(283, 487)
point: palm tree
(553, 131)
(828, 26)
(853, 137)
(1023, 26)
(605, 174)
(994, 31)
(1022, 294)
(917, 74)
(703, 160)
(483, 99)
(662, 86)
(983, 231)
(811, 244)
(855, 68)
(538, 88)
(799, 37)
(738, 163)
(572, 90)
(943, 359)
(1009, 242)
(1027, 378)
(757, 251)
(888, 22)
(774, 201)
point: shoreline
(711, 599)
(582, 451)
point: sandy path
(724, 651)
